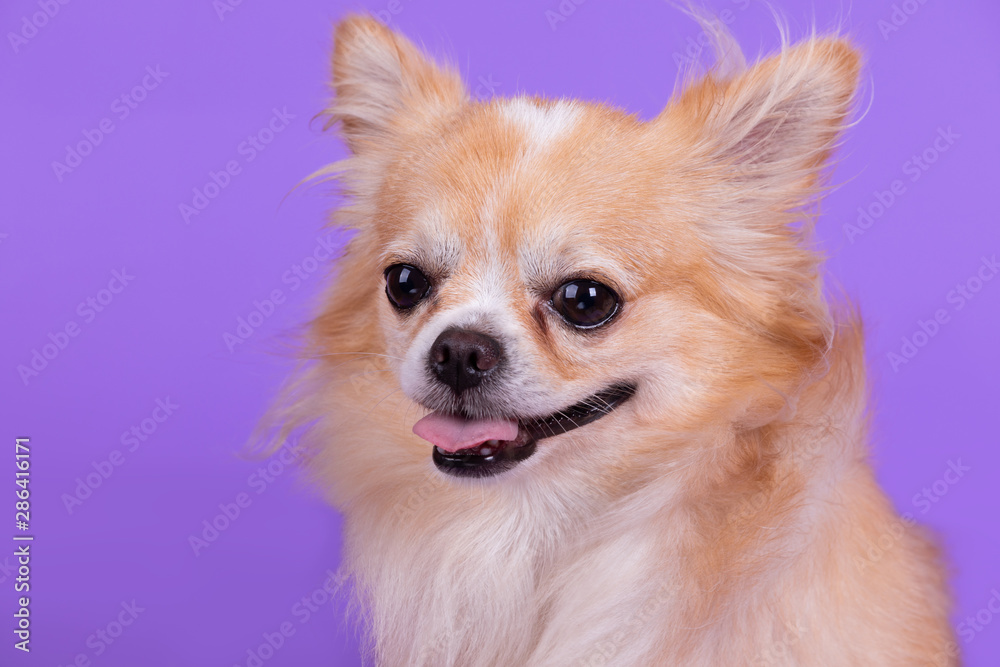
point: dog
(577, 387)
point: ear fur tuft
(380, 77)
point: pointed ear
(772, 127)
(381, 78)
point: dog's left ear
(770, 128)
(384, 84)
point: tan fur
(725, 515)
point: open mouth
(483, 448)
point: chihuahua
(577, 388)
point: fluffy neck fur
(759, 547)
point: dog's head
(555, 278)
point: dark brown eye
(585, 303)
(405, 285)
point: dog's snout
(461, 358)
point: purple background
(162, 335)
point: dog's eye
(585, 303)
(405, 285)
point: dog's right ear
(384, 84)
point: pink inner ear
(452, 433)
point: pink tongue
(452, 433)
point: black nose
(461, 358)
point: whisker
(407, 411)
(380, 402)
